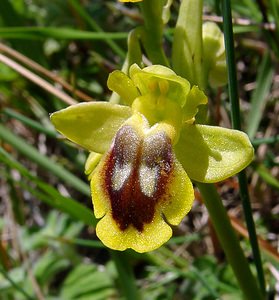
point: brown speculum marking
(137, 171)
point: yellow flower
(144, 153)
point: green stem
(236, 123)
(152, 36)
(126, 276)
(229, 241)
(134, 56)
(232, 85)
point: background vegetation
(56, 53)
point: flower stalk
(229, 242)
(152, 35)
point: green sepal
(91, 125)
(211, 154)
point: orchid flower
(145, 150)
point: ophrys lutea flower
(144, 151)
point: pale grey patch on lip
(148, 179)
(120, 175)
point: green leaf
(58, 227)
(14, 280)
(86, 282)
(65, 204)
(49, 265)
(91, 125)
(211, 154)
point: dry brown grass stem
(37, 80)
(240, 21)
(40, 69)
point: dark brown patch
(130, 205)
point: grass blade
(15, 285)
(48, 194)
(268, 140)
(266, 176)
(29, 122)
(235, 114)
(258, 99)
(41, 33)
(34, 155)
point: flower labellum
(138, 187)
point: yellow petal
(181, 196)
(99, 198)
(153, 235)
